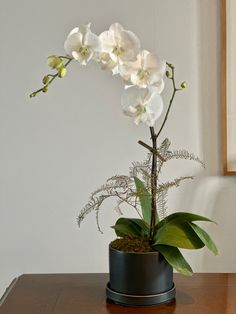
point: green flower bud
(45, 89)
(33, 94)
(62, 72)
(46, 80)
(55, 62)
(183, 85)
(168, 74)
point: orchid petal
(93, 41)
(121, 45)
(73, 42)
(147, 70)
(131, 97)
(82, 59)
(143, 104)
(116, 29)
(131, 45)
(154, 108)
(73, 31)
(126, 69)
(107, 41)
(159, 86)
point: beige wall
(57, 148)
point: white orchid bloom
(82, 44)
(120, 44)
(107, 63)
(148, 69)
(143, 104)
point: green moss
(132, 244)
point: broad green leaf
(145, 200)
(178, 235)
(175, 259)
(204, 236)
(182, 216)
(141, 223)
(130, 227)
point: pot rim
(133, 253)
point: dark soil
(132, 244)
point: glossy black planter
(139, 279)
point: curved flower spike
(148, 69)
(143, 104)
(120, 44)
(82, 44)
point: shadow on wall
(212, 195)
(225, 216)
(221, 191)
(209, 82)
(220, 204)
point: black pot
(139, 279)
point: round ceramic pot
(139, 279)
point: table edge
(8, 290)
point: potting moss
(132, 244)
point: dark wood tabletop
(85, 294)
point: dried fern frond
(138, 166)
(123, 186)
(162, 204)
(121, 179)
(93, 204)
(184, 154)
(111, 187)
(175, 183)
(163, 150)
(118, 208)
(142, 169)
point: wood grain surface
(85, 294)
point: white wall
(57, 148)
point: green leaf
(145, 200)
(182, 216)
(141, 223)
(130, 227)
(204, 236)
(178, 234)
(175, 259)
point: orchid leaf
(182, 216)
(178, 235)
(175, 259)
(204, 236)
(130, 227)
(145, 200)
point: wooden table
(85, 294)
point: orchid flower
(121, 45)
(82, 44)
(143, 104)
(148, 69)
(107, 63)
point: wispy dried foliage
(122, 187)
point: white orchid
(143, 104)
(107, 63)
(120, 44)
(148, 69)
(82, 44)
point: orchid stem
(154, 214)
(172, 97)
